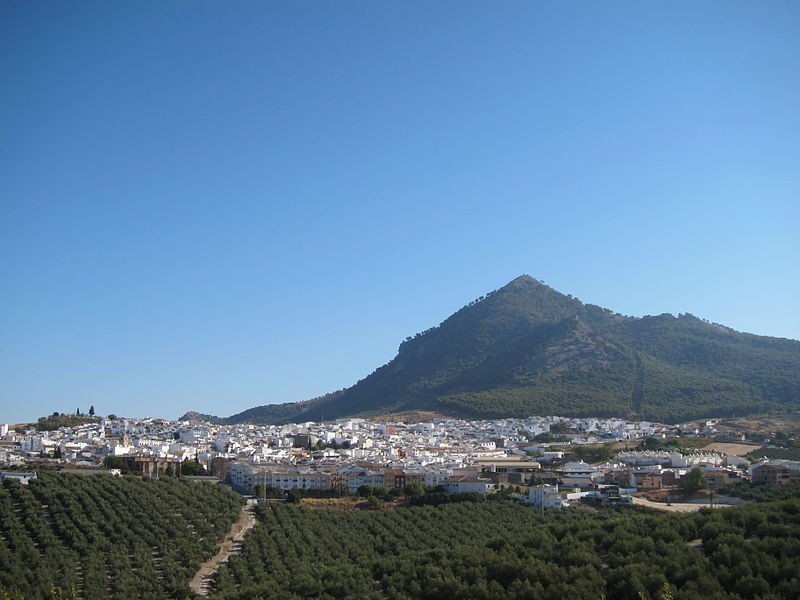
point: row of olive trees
(108, 537)
(501, 550)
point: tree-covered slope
(527, 349)
(93, 537)
(499, 550)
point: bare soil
(764, 424)
(339, 503)
(732, 449)
(675, 506)
(411, 416)
(200, 583)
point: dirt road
(229, 545)
(675, 506)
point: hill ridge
(527, 349)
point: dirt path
(675, 506)
(229, 545)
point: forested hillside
(96, 537)
(527, 349)
(67, 536)
(497, 550)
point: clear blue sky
(216, 205)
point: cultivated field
(732, 449)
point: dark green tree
(192, 467)
(693, 481)
(413, 490)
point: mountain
(527, 349)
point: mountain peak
(528, 349)
(523, 280)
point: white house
(460, 485)
(23, 478)
(546, 496)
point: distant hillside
(57, 420)
(527, 349)
(196, 416)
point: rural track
(231, 543)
